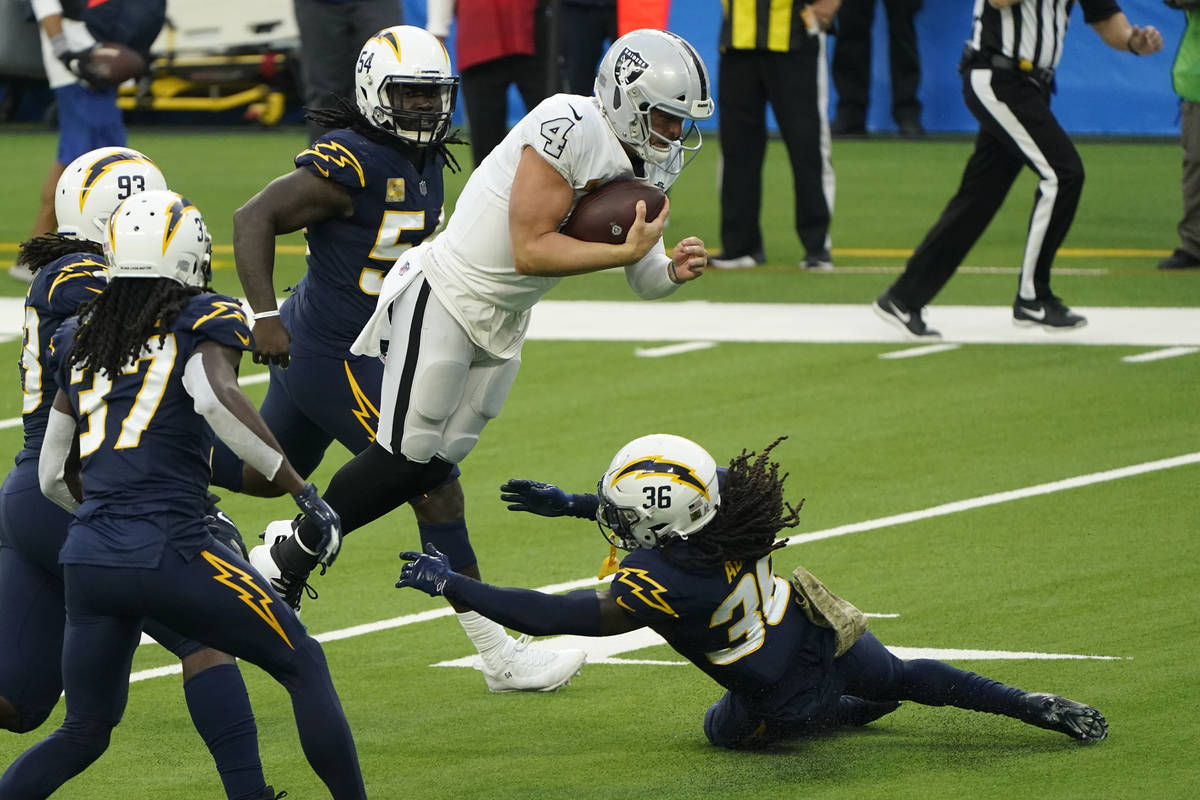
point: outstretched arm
(587, 612)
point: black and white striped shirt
(1032, 30)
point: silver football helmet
(657, 488)
(647, 69)
(404, 85)
(158, 235)
(95, 183)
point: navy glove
(546, 499)
(426, 571)
(326, 520)
(78, 61)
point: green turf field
(1105, 568)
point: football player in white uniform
(454, 311)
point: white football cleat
(290, 588)
(520, 668)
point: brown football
(606, 213)
(112, 63)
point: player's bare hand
(272, 342)
(1145, 41)
(644, 233)
(689, 259)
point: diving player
(69, 270)
(792, 657)
(146, 376)
(456, 308)
(366, 192)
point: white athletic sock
(487, 636)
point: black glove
(427, 571)
(327, 521)
(78, 61)
(546, 499)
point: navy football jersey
(57, 292)
(738, 623)
(396, 206)
(144, 449)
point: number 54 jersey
(397, 204)
(144, 449)
(739, 623)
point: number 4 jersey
(144, 449)
(738, 623)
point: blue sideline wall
(1100, 90)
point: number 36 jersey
(144, 449)
(396, 205)
(738, 623)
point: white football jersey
(470, 265)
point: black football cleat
(1049, 312)
(1180, 259)
(911, 321)
(268, 793)
(1054, 713)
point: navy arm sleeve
(529, 611)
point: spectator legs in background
(1187, 255)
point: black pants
(585, 28)
(485, 97)
(795, 83)
(1016, 128)
(852, 59)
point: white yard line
(671, 349)
(1159, 355)
(916, 352)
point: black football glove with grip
(547, 500)
(78, 61)
(316, 510)
(428, 571)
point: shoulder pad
(339, 156)
(60, 346)
(73, 280)
(218, 318)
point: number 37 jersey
(144, 449)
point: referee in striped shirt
(1008, 76)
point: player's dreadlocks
(345, 114)
(115, 326)
(751, 513)
(41, 250)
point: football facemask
(657, 488)
(404, 85)
(652, 69)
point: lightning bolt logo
(366, 413)
(224, 309)
(247, 590)
(337, 155)
(97, 169)
(644, 588)
(389, 38)
(657, 465)
(79, 269)
(175, 211)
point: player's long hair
(115, 326)
(751, 514)
(42, 250)
(345, 114)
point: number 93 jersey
(396, 205)
(144, 449)
(738, 623)
(57, 292)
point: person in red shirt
(498, 43)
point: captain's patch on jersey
(395, 190)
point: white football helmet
(158, 234)
(405, 60)
(95, 183)
(657, 488)
(647, 69)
